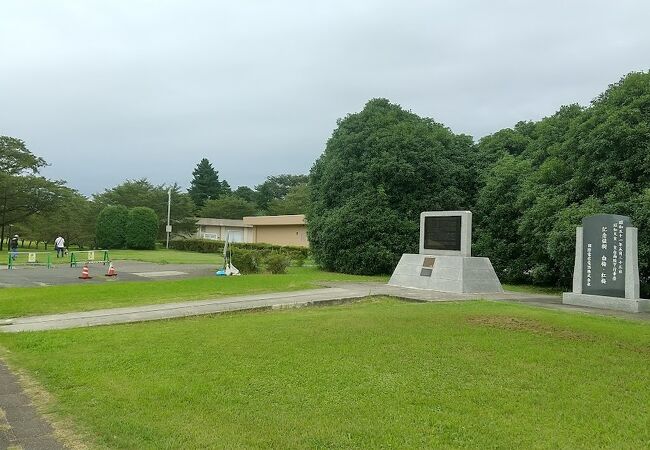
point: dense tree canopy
(295, 202)
(276, 187)
(380, 169)
(542, 178)
(228, 207)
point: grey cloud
(112, 90)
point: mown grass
(16, 302)
(160, 256)
(375, 374)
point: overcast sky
(110, 90)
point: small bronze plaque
(429, 262)
(424, 272)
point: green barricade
(15, 259)
(89, 257)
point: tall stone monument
(445, 262)
(606, 268)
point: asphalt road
(126, 270)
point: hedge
(263, 250)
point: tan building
(218, 229)
(277, 230)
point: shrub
(110, 231)
(262, 250)
(299, 259)
(245, 261)
(142, 228)
(277, 263)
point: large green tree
(15, 158)
(205, 184)
(23, 193)
(380, 169)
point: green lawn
(376, 374)
(15, 302)
(160, 256)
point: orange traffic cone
(111, 271)
(85, 275)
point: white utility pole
(168, 228)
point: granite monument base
(459, 274)
(633, 305)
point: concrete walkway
(21, 426)
(173, 310)
(336, 292)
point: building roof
(222, 222)
(291, 219)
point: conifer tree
(205, 185)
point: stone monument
(445, 261)
(606, 268)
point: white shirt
(59, 242)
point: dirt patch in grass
(533, 326)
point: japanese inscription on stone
(604, 254)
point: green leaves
(550, 174)
(15, 158)
(205, 184)
(380, 169)
(142, 229)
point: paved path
(334, 293)
(127, 271)
(172, 310)
(21, 426)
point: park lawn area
(159, 256)
(379, 373)
(29, 301)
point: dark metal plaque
(442, 233)
(603, 254)
(424, 272)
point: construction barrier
(89, 257)
(29, 259)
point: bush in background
(277, 263)
(299, 260)
(262, 250)
(246, 261)
(110, 231)
(142, 228)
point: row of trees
(279, 194)
(39, 209)
(529, 186)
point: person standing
(13, 247)
(59, 246)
